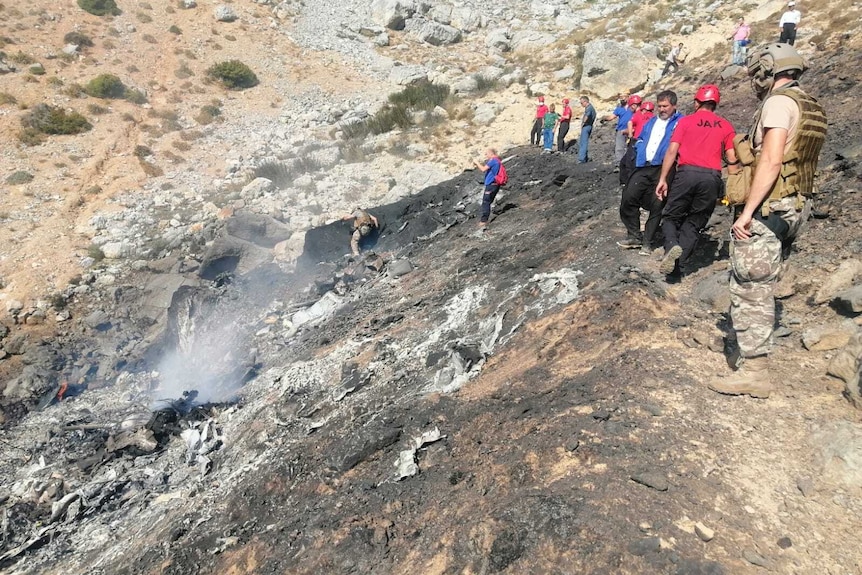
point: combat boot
(752, 378)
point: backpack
(502, 178)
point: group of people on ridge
(675, 174)
(547, 121)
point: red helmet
(648, 106)
(633, 99)
(708, 93)
(565, 100)
(542, 99)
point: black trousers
(627, 163)
(668, 66)
(640, 193)
(690, 202)
(561, 136)
(788, 34)
(488, 199)
(536, 133)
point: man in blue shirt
(587, 121)
(491, 167)
(640, 190)
(623, 114)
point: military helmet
(364, 230)
(769, 60)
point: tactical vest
(799, 164)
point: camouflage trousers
(757, 264)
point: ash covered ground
(531, 399)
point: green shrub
(142, 151)
(420, 96)
(95, 252)
(175, 30)
(48, 119)
(96, 109)
(31, 137)
(105, 86)
(99, 7)
(6, 98)
(22, 58)
(136, 96)
(385, 120)
(233, 74)
(207, 114)
(78, 39)
(37, 70)
(144, 18)
(19, 177)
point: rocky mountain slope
(229, 393)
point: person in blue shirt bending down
(639, 192)
(491, 167)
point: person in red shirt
(536, 133)
(565, 119)
(696, 147)
(640, 118)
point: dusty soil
(589, 442)
(536, 470)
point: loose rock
(651, 479)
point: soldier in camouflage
(784, 144)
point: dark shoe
(668, 263)
(630, 243)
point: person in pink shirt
(741, 41)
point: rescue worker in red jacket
(536, 132)
(565, 120)
(696, 147)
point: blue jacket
(493, 169)
(623, 114)
(641, 160)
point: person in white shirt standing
(639, 192)
(788, 23)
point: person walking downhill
(772, 207)
(565, 119)
(674, 58)
(550, 124)
(789, 23)
(493, 168)
(639, 193)
(740, 39)
(697, 146)
(587, 120)
(536, 132)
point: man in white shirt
(639, 192)
(673, 60)
(788, 23)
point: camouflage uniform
(363, 224)
(757, 264)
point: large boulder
(438, 34)
(498, 40)
(232, 255)
(611, 67)
(407, 75)
(258, 229)
(392, 14)
(529, 41)
(224, 13)
(846, 365)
